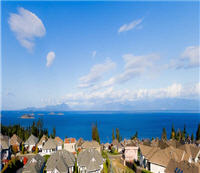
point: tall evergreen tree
(173, 133)
(178, 135)
(117, 134)
(164, 134)
(113, 135)
(95, 133)
(198, 132)
(183, 135)
(192, 137)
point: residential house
(42, 142)
(5, 148)
(90, 161)
(130, 153)
(182, 167)
(91, 145)
(15, 141)
(34, 165)
(49, 147)
(70, 144)
(59, 143)
(155, 159)
(192, 151)
(61, 162)
(31, 142)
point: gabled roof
(69, 140)
(32, 140)
(184, 166)
(61, 160)
(190, 149)
(90, 144)
(34, 165)
(44, 138)
(50, 144)
(15, 140)
(4, 142)
(91, 159)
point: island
(27, 116)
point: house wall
(131, 154)
(157, 168)
(71, 147)
(59, 147)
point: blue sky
(83, 53)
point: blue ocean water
(79, 124)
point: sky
(87, 53)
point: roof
(34, 165)
(4, 142)
(50, 144)
(32, 140)
(15, 140)
(44, 138)
(184, 166)
(58, 140)
(91, 159)
(61, 160)
(90, 144)
(190, 149)
(69, 140)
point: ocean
(79, 123)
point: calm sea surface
(79, 124)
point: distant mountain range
(142, 105)
(59, 107)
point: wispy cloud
(27, 26)
(96, 73)
(190, 58)
(50, 58)
(94, 53)
(130, 26)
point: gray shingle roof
(34, 165)
(32, 140)
(91, 159)
(4, 142)
(61, 160)
(50, 144)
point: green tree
(173, 133)
(113, 135)
(198, 132)
(54, 133)
(192, 137)
(95, 133)
(117, 134)
(183, 134)
(164, 134)
(178, 135)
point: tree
(183, 134)
(192, 137)
(164, 134)
(178, 135)
(135, 136)
(173, 133)
(117, 134)
(54, 133)
(198, 132)
(113, 135)
(95, 133)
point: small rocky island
(27, 116)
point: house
(59, 143)
(15, 141)
(91, 145)
(42, 142)
(192, 151)
(90, 161)
(182, 167)
(70, 144)
(155, 159)
(34, 165)
(5, 149)
(31, 142)
(61, 162)
(49, 147)
(130, 153)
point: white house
(49, 147)
(70, 144)
(31, 142)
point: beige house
(130, 153)
(91, 145)
(59, 143)
(70, 144)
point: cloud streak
(26, 26)
(130, 26)
(50, 58)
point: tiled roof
(58, 140)
(32, 140)
(90, 144)
(15, 140)
(191, 150)
(61, 160)
(70, 140)
(43, 138)
(4, 142)
(50, 144)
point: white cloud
(27, 26)
(94, 53)
(96, 73)
(50, 58)
(190, 58)
(129, 26)
(107, 95)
